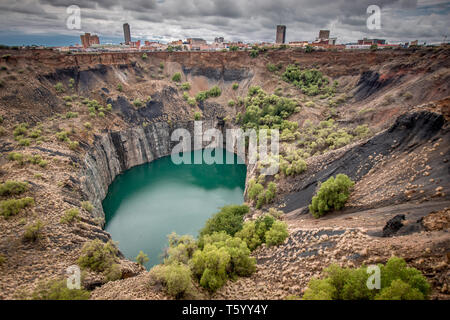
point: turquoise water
(148, 202)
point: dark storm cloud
(248, 20)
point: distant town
(324, 41)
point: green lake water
(148, 202)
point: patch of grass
(16, 156)
(12, 207)
(58, 290)
(24, 142)
(12, 187)
(138, 103)
(186, 86)
(87, 205)
(70, 115)
(59, 87)
(73, 145)
(71, 215)
(198, 115)
(192, 102)
(62, 135)
(20, 130)
(33, 231)
(176, 77)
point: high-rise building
(324, 34)
(126, 33)
(88, 40)
(281, 34)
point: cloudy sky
(44, 21)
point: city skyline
(37, 21)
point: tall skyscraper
(281, 34)
(126, 33)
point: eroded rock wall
(116, 152)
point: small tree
(142, 258)
(332, 194)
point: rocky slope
(403, 169)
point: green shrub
(231, 103)
(398, 282)
(221, 258)
(254, 232)
(197, 115)
(214, 92)
(138, 103)
(161, 65)
(12, 207)
(2, 260)
(70, 115)
(399, 290)
(87, 205)
(181, 248)
(144, 56)
(119, 87)
(20, 130)
(263, 110)
(186, 96)
(24, 142)
(277, 234)
(310, 81)
(272, 67)
(59, 87)
(36, 133)
(201, 96)
(71, 215)
(176, 77)
(235, 86)
(16, 156)
(186, 86)
(67, 98)
(259, 195)
(98, 256)
(11, 187)
(43, 163)
(87, 125)
(229, 219)
(192, 101)
(254, 53)
(62, 135)
(332, 194)
(73, 145)
(58, 290)
(33, 231)
(101, 114)
(142, 258)
(175, 277)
